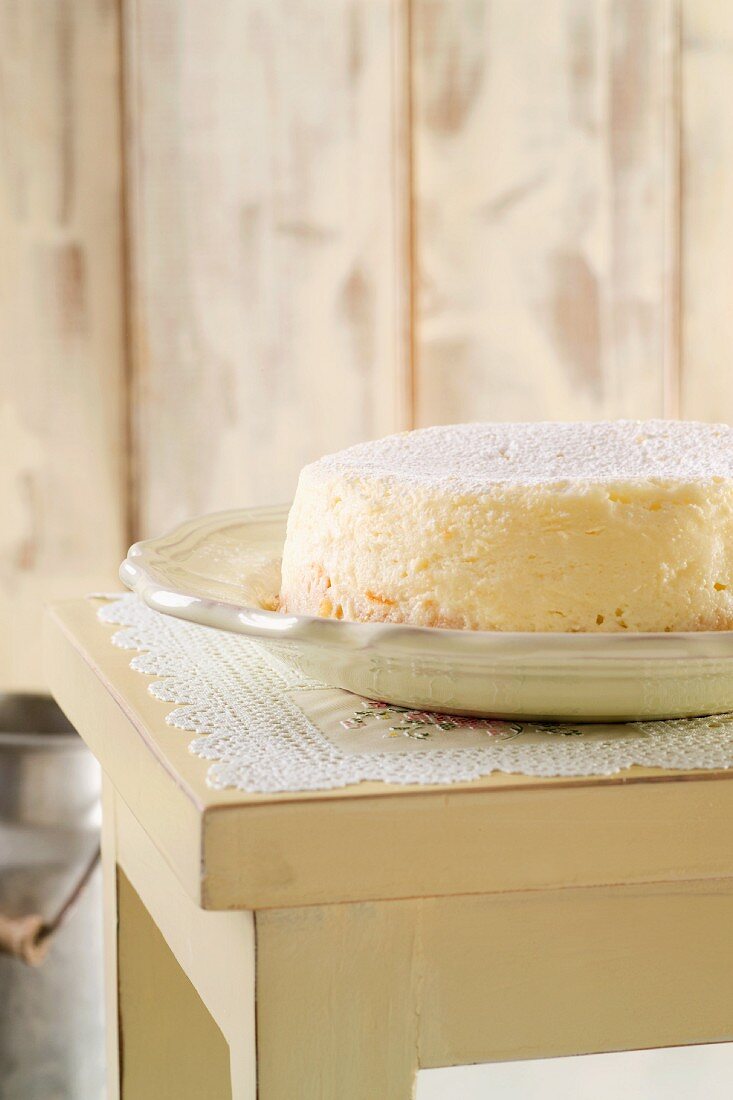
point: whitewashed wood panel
(545, 191)
(61, 347)
(707, 210)
(265, 159)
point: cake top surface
(472, 457)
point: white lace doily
(268, 729)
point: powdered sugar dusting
(473, 457)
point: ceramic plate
(223, 571)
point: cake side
(633, 552)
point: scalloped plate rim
(139, 573)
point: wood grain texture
(543, 187)
(61, 346)
(268, 256)
(707, 210)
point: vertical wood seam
(411, 248)
(129, 435)
(672, 365)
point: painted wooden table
(326, 945)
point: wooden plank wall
(267, 183)
(542, 190)
(62, 442)
(324, 220)
(706, 213)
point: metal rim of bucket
(30, 720)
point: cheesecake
(611, 526)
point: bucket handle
(29, 937)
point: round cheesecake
(609, 526)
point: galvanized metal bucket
(51, 1011)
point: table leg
(185, 981)
(337, 1001)
(109, 874)
(171, 1046)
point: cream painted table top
(329, 944)
(231, 848)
